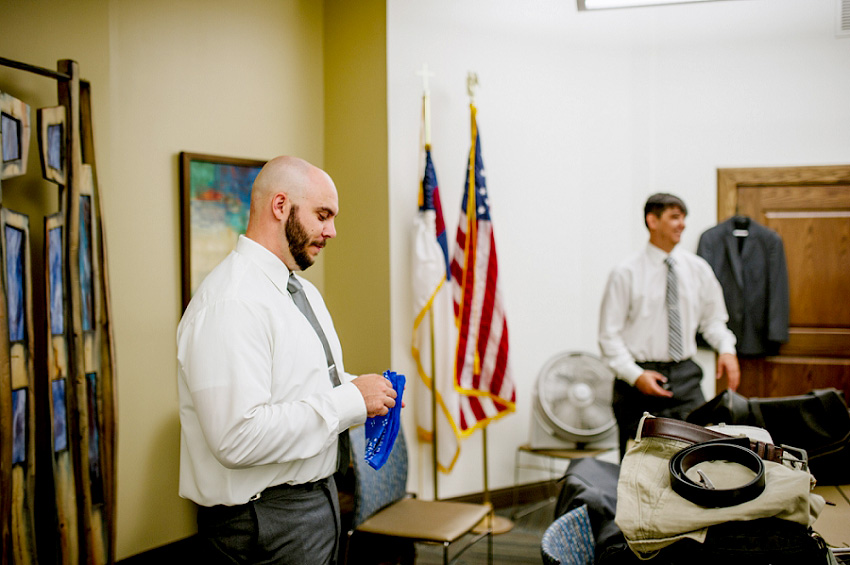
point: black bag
(818, 422)
(766, 541)
(591, 482)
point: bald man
(260, 408)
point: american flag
(433, 328)
(481, 363)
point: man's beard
(299, 240)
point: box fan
(572, 404)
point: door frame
(728, 181)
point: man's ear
(651, 221)
(280, 205)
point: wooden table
(834, 522)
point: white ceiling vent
(842, 18)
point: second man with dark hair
(653, 306)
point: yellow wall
(357, 276)
(205, 76)
(198, 76)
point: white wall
(582, 116)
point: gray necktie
(297, 293)
(674, 322)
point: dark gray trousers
(286, 525)
(629, 403)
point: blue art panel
(95, 472)
(15, 283)
(86, 288)
(19, 426)
(11, 128)
(60, 417)
(54, 146)
(57, 289)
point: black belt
(661, 364)
(704, 493)
(315, 485)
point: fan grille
(573, 395)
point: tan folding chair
(383, 507)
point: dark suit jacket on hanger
(754, 281)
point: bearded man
(265, 403)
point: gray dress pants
(286, 525)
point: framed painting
(215, 197)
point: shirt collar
(268, 262)
(656, 254)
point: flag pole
(426, 96)
(471, 85)
(426, 110)
(433, 408)
(499, 524)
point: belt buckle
(255, 497)
(703, 478)
(802, 457)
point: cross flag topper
(425, 73)
(471, 85)
(426, 101)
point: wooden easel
(82, 357)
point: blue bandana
(381, 431)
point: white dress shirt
(633, 319)
(257, 407)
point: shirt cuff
(349, 405)
(630, 374)
(727, 343)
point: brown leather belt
(692, 433)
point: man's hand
(378, 393)
(649, 383)
(728, 363)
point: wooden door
(810, 209)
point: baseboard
(187, 550)
(511, 496)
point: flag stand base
(501, 525)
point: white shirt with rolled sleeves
(257, 407)
(633, 319)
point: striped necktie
(297, 292)
(674, 321)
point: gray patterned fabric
(377, 489)
(569, 539)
